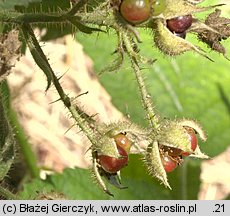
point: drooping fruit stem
(145, 96)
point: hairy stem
(76, 7)
(97, 17)
(145, 96)
(7, 140)
(7, 194)
(43, 63)
(19, 134)
(18, 18)
(4, 127)
(25, 146)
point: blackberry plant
(164, 143)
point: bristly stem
(21, 139)
(25, 146)
(76, 7)
(7, 194)
(97, 17)
(43, 63)
(145, 96)
(18, 18)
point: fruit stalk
(145, 96)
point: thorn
(82, 94)
(69, 129)
(90, 148)
(79, 131)
(225, 56)
(109, 193)
(59, 78)
(209, 58)
(55, 101)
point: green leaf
(78, 184)
(73, 183)
(31, 190)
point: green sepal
(107, 146)
(174, 135)
(154, 164)
(172, 45)
(181, 8)
(138, 136)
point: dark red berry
(192, 138)
(168, 163)
(122, 141)
(112, 164)
(179, 24)
(135, 11)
